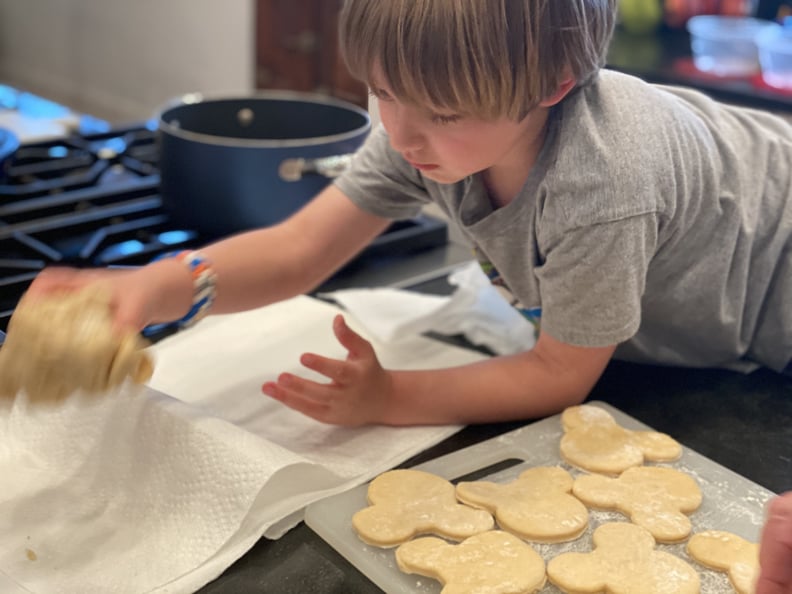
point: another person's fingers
(775, 555)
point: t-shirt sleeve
(381, 182)
(593, 279)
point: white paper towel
(475, 309)
(122, 494)
(140, 492)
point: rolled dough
(727, 552)
(537, 506)
(493, 562)
(654, 497)
(405, 503)
(63, 342)
(593, 441)
(624, 560)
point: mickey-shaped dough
(654, 497)
(623, 561)
(594, 441)
(728, 552)
(62, 342)
(406, 502)
(537, 505)
(494, 562)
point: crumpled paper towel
(142, 492)
(475, 309)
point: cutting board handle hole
(488, 470)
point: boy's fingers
(332, 368)
(296, 401)
(349, 339)
(126, 318)
(55, 277)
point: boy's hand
(127, 300)
(357, 394)
(775, 554)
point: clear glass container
(775, 55)
(726, 45)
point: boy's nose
(404, 136)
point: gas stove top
(89, 200)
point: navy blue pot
(229, 165)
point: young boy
(644, 222)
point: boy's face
(448, 147)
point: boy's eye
(445, 119)
(380, 94)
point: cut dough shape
(654, 497)
(536, 506)
(406, 502)
(727, 552)
(623, 561)
(594, 441)
(63, 342)
(493, 562)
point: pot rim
(296, 96)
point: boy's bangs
(485, 58)
(434, 54)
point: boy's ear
(563, 89)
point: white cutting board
(730, 502)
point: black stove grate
(93, 200)
(81, 161)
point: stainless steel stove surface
(93, 199)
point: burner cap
(8, 144)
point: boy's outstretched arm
(253, 269)
(543, 381)
(536, 383)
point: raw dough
(727, 552)
(594, 441)
(494, 562)
(537, 505)
(624, 561)
(405, 503)
(63, 342)
(654, 497)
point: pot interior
(266, 119)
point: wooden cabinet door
(297, 49)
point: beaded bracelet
(204, 285)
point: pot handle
(293, 169)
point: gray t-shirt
(654, 218)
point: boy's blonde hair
(487, 58)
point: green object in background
(636, 53)
(640, 16)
